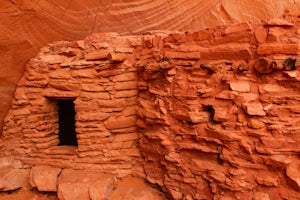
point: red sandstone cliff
(28, 25)
(210, 114)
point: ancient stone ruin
(212, 114)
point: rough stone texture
(134, 189)
(44, 178)
(72, 184)
(105, 106)
(11, 179)
(293, 175)
(84, 185)
(187, 125)
(252, 126)
(27, 195)
(28, 25)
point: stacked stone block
(218, 109)
(210, 114)
(100, 77)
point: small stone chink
(289, 64)
(209, 67)
(265, 66)
(243, 68)
(211, 110)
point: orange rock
(278, 48)
(278, 22)
(61, 74)
(116, 57)
(83, 184)
(11, 179)
(197, 111)
(293, 176)
(255, 123)
(101, 189)
(64, 85)
(239, 86)
(264, 66)
(96, 55)
(261, 34)
(119, 122)
(254, 109)
(237, 28)
(125, 85)
(126, 93)
(95, 95)
(60, 94)
(261, 196)
(276, 33)
(133, 188)
(279, 160)
(125, 77)
(126, 137)
(92, 116)
(84, 73)
(268, 181)
(18, 48)
(44, 178)
(182, 55)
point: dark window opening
(67, 133)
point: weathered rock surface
(44, 178)
(11, 179)
(134, 189)
(55, 183)
(27, 195)
(202, 121)
(28, 25)
(293, 175)
(84, 185)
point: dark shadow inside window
(67, 133)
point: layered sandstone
(28, 25)
(210, 114)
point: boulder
(84, 185)
(11, 179)
(44, 178)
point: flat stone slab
(44, 178)
(11, 179)
(84, 185)
(134, 189)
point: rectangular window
(67, 133)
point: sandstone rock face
(12, 176)
(44, 178)
(28, 25)
(11, 179)
(293, 174)
(27, 195)
(134, 189)
(84, 185)
(73, 184)
(191, 112)
(104, 93)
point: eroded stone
(44, 178)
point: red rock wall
(105, 97)
(26, 26)
(219, 112)
(217, 109)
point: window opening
(67, 133)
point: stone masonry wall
(212, 114)
(219, 111)
(105, 98)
